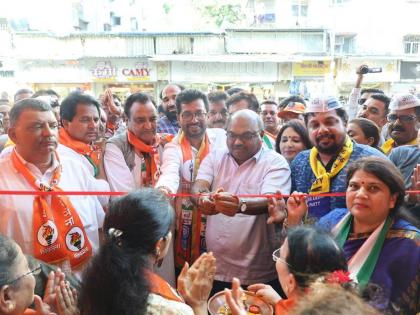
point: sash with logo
(363, 262)
(91, 152)
(322, 182)
(390, 143)
(58, 233)
(161, 287)
(149, 154)
(191, 224)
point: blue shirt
(167, 126)
(303, 177)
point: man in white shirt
(130, 156)
(238, 232)
(181, 160)
(64, 230)
(80, 118)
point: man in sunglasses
(403, 121)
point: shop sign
(5, 71)
(104, 71)
(410, 70)
(317, 68)
(200, 72)
(140, 72)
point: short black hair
(269, 102)
(291, 98)
(341, 112)
(22, 91)
(25, 104)
(180, 86)
(217, 96)
(45, 92)
(69, 104)
(188, 96)
(234, 90)
(140, 97)
(375, 91)
(382, 98)
(247, 96)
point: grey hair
(249, 115)
(8, 259)
(25, 104)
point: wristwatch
(242, 205)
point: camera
(366, 69)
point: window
(411, 44)
(115, 20)
(300, 8)
(134, 25)
(339, 2)
(345, 44)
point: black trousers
(220, 286)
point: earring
(11, 307)
(157, 252)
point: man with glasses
(169, 123)
(238, 232)
(217, 115)
(403, 121)
(181, 159)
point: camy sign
(141, 72)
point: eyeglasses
(223, 113)
(402, 118)
(361, 101)
(189, 116)
(247, 136)
(276, 256)
(35, 271)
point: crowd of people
(134, 207)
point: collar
(256, 157)
(33, 167)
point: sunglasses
(403, 118)
(361, 101)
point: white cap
(322, 104)
(403, 101)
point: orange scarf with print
(58, 233)
(91, 152)
(190, 241)
(150, 154)
(161, 287)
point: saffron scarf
(150, 155)
(91, 152)
(58, 233)
(322, 182)
(190, 237)
(161, 287)
(390, 143)
(363, 262)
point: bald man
(237, 230)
